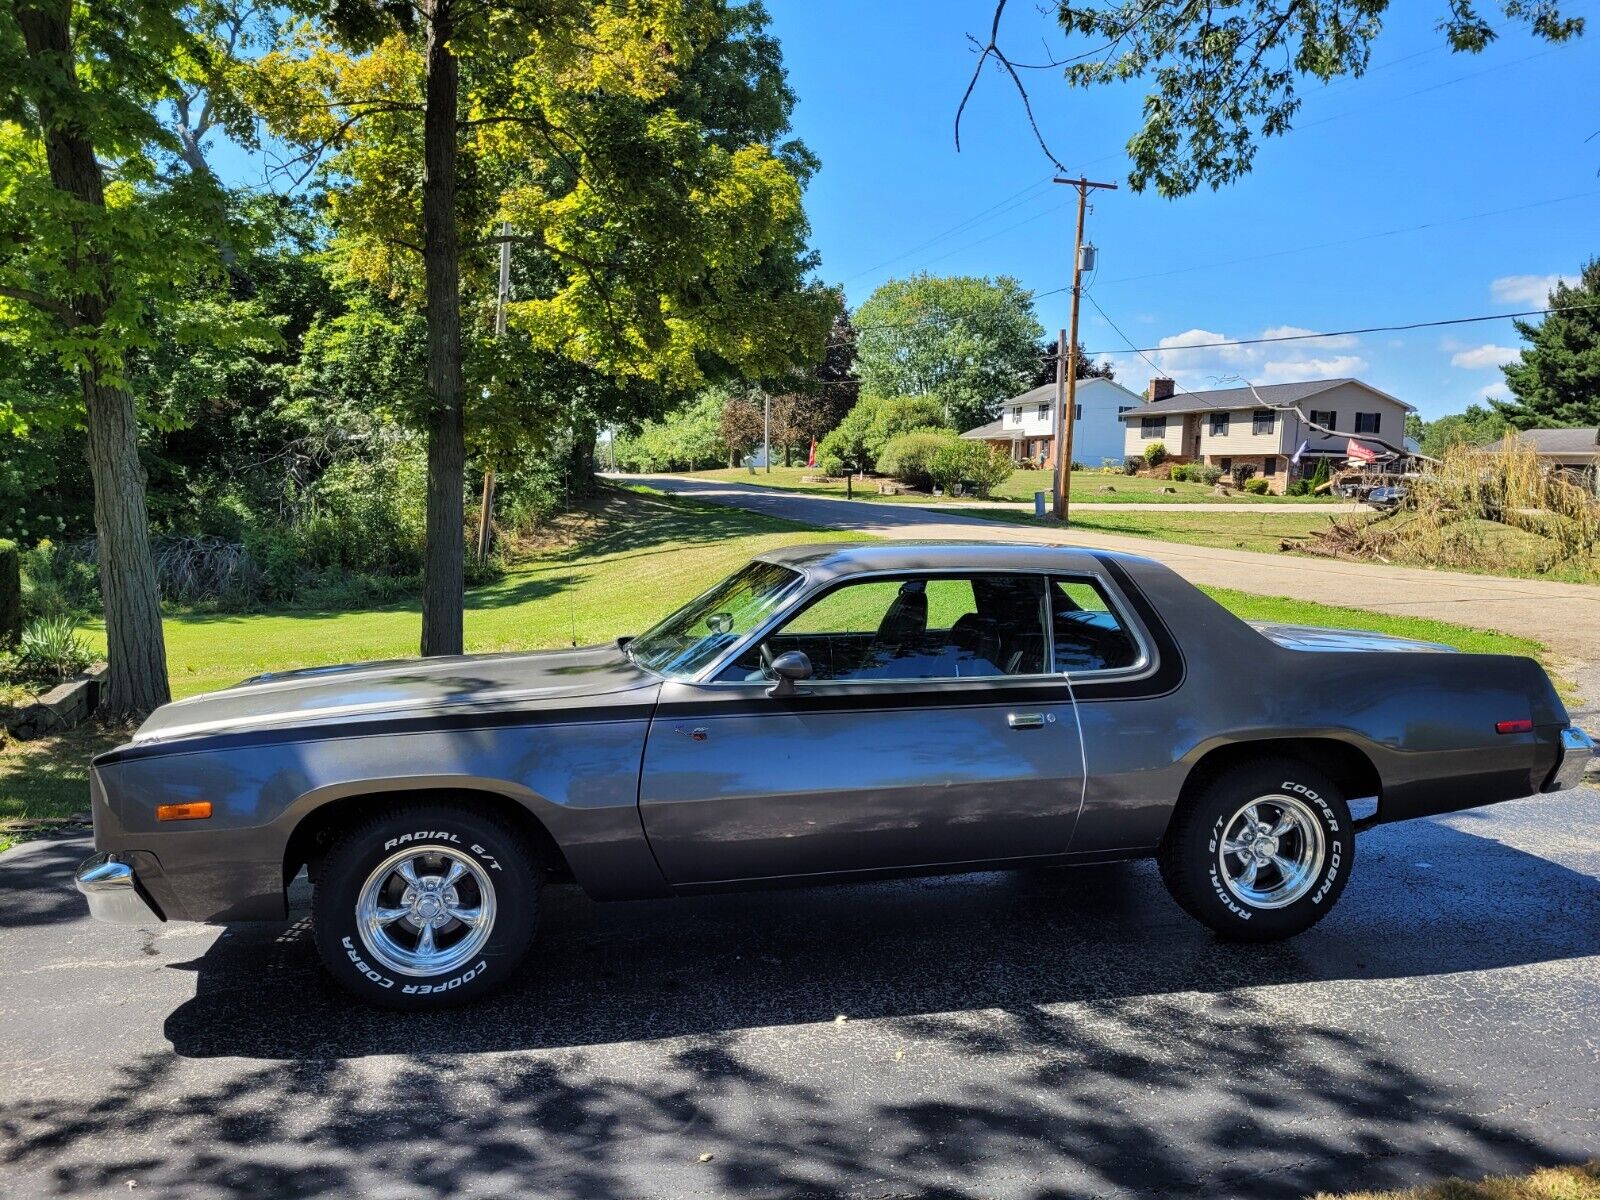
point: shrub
(867, 428)
(1180, 472)
(909, 457)
(50, 650)
(983, 466)
(1298, 487)
(1242, 474)
(1257, 487)
(1207, 475)
(1130, 466)
(1155, 454)
(59, 580)
(10, 593)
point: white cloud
(1339, 341)
(1494, 391)
(1478, 358)
(1531, 290)
(1295, 369)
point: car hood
(1343, 641)
(459, 684)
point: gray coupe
(827, 713)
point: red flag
(1356, 450)
(811, 459)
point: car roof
(836, 560)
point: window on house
(1044, 411)
(1263, 420)
(1325, 417)
(1077, 412)
(1122, 408)
(1369, 422)
(1269, 465)
(1219, 424)
(1152, 427)
(1016, 413)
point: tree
(1477, 426)
(1045, 369)
(741, 424)
(1556, 383)
(969, 343)
(658, 228)
(98, 239)
(1225, 75)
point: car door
(934, 732)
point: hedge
(10, 593)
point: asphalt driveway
(1051, 1034)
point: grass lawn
(1234, 531)
(1086, 485)
(1548, 1183)
(615, 570)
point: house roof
(994, 429)
(1558, 441)
(1272, 395)
(1046, 395)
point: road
(1564, 616)
(1036, 1036)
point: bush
(10, 593)
(49, 651)
(1258, 487)
(1207, 475)
(59, 580)
(909, 457)
(1180, 472)
(1130, 466)
(983, 466)
(1242, 474)
(1298, 487)
(868, 427)
(1155, 454)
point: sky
(1439, 185)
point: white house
(1027, 424)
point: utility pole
(766, 430)
(1067, 358)
(486, 505)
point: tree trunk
(136, 648)
(442, 564)
(580, 464)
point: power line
(1003, 206)
(1311, 337)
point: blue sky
(1427, 137)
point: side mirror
(790, 667)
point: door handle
(1025, 720)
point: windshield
(699, 631)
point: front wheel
(425, 906)
(1260, 853)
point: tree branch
(42, 302)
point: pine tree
(1557, 382)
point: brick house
(1236, 427)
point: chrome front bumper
(113, 892)
(1577, 753)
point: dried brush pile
(1477, 510)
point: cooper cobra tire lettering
(468, 828)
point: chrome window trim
(1145, 664)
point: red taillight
(1523, 726)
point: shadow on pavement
(1080, 1036)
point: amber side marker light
(197, 810)
(1523, 726)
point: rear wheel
(1262, 852)
(425, 906)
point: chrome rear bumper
(113, 892)
(1577, 752)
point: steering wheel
(766, 662)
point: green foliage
(968, 342)
(58, 581)
(1155, 454)
(1477, 426)
(1222, 77)
(977, 466)
(1322, 474)
(1180, 472)
(1205, 473)
(1257, 486)
(1131, 465)
(49, 651)
(909, 457)
(860, 438)
(1557, 382)
(10, 593)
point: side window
(1089, 636)
(947, 627)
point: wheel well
(311, 838)
(1341, 762)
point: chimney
(1159, 389)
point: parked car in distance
(1386, 496)
(826, 713)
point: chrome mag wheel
(1272, 851)
(426, 911)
